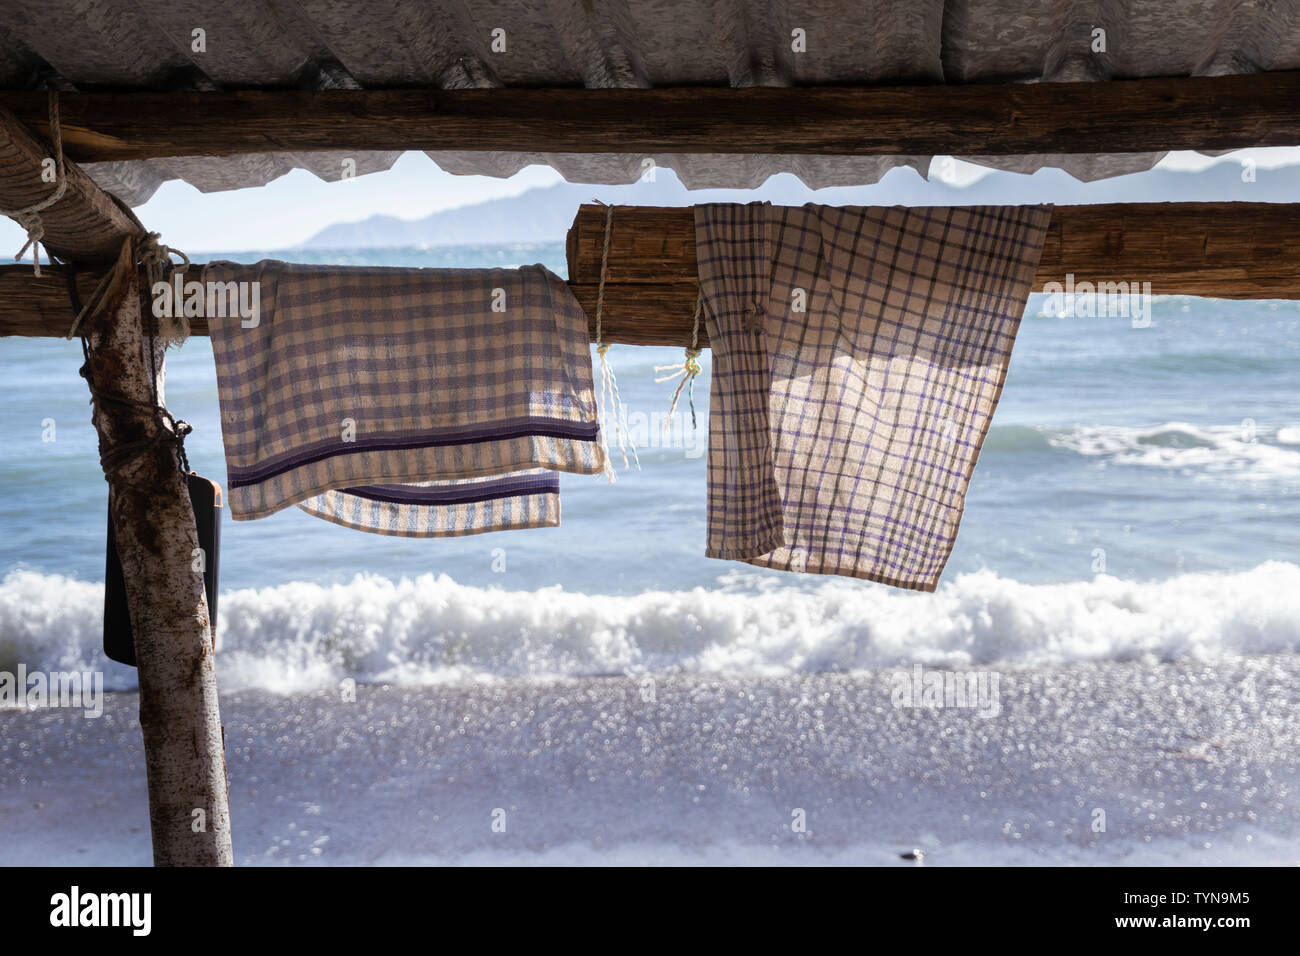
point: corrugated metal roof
(147, 45)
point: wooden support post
(157, 542)
(153, 520)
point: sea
(1126, 584)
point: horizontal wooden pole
(1118, 116)
(41, 307)
(641, 314)
(1223, 250)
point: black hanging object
(119, 641)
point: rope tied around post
(611, 402)
(29, 217)
(167, 428)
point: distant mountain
(538, 215)
(545, 214)
(535, 216)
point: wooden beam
(1223, 250)
(1118, 116)
(41, 307)
(86, 224)
(642, 313)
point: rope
(611, 401)
(29, 216)
(686, 370)
(156, 260)
(92, 304)
(158, 267)
(167, 428)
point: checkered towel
(415, 402)
(858, 355)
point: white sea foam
(301, 636)
(1244, 452)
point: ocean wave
(302, 636)
(1246, 451)
(1016, 439)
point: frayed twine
(156, 258)
(611, 407)
(686, 370)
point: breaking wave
(1246, 451)
(300, 636)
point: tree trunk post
(157, 543)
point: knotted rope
(29, 217)
(611, 402)
(158, 267)
(156, 259)
(167, 428)
(685, 370)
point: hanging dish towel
(414, 402)
(858, 355)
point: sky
(288, 211)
